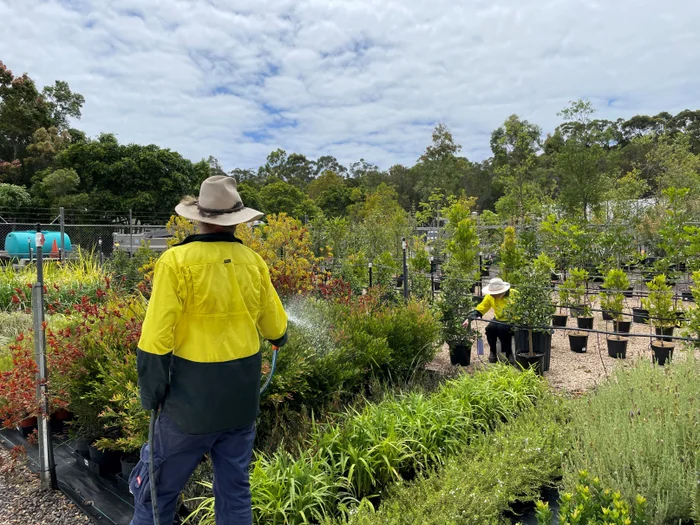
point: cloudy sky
(351, 78)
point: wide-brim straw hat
(219, 203)
(496, 286)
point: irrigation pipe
(602, 332)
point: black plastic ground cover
(99, 498)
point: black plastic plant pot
(617, 347)
(436, 285)
(399, 282)
(688, 297)
(629, 292)
(82, 447)
(664, 334)
(535, 361)
(598, 279)
(663, 352)
(607, 315)
(585, 323)
(478, 298)
(623, 327)
(485, 272)
(541, 341)
(640, 315)
(578, 342)
(96, 455)
(460, 354)
(128, 463)
(559, 320)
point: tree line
(584, 162)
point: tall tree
(515, 146)
(581, 161)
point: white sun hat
(496, 286)
(218, 203)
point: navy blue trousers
(177, 454)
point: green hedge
(482, 482)
(382, 444)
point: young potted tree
(530, 309)
(662, 317)
(559, 319)
(461, 268)
(612, 302)
(612, 299)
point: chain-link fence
(93, 231)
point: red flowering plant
(70, 344)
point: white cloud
(352, 78)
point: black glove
(474, 314)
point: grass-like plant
(481, 483)
(381, 444)
(638, 434)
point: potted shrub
(612, 299)
(692, 314)
(461, 268)
(530, 309)
(662, 314)
(559, 319)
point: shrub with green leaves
(639, 434)
(574, 290)
(591, 503)
(660, 303)
(612, 299)
(383, 443)
(478, 485)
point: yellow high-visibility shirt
(199, 352)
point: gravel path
(569, 371)
(23, 502)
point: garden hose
(152, 431)
(273, 365)
(151, 470)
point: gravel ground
(23, 502)
(569, 371)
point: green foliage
(638, 434)
(383, 443)
(692, 315)
(572, 292)
(481, 482)
(660, 303)
(530, 306)
(512, 257)
(591, 503)
(130, 270)
(580, 162)
(612, 299)
(14, 197)
(419, 269)
(515, 145)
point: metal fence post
(432, 277)
(131, 235)
(29, 245)
(62, 219)
(369, 266)
(47, 466)
(99, 247)
(405, 270)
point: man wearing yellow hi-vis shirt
(199, 357)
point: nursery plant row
(356, 459)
